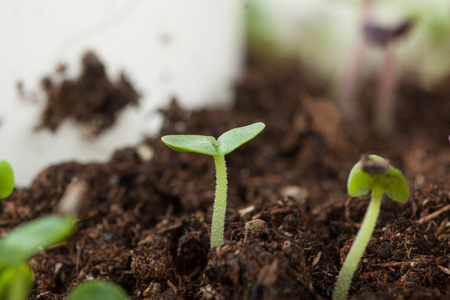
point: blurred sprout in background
(322, 33)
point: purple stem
(351, 84)
(384, 106)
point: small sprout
(372, 174)
(96, 289)
(6, 179)
(208, 145)
(384, 106)
(383, 37)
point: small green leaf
(36, 235)
(395, 185)
(234, 138)
(15, 282)
(359, 183)
(192, 143)
(390, 181)
(6, 179)
(94, 290)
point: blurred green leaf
(395, 185)
(6, 179)
(359, 183)
(36, 235)
(15, 282)
(8, 257)
(95, 290)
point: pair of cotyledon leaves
(390, 181)
(226, 143)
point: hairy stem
(220, 202)
(358, 247)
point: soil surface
(145, 219)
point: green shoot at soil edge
(6, 179)
(372, 173)
(208, 145)
(96, 289)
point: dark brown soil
(145, 222)
(91, 100)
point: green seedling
(96, 289)
(6, 179)
(372, 174)
(208, 145)
(20, 244)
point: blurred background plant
(321, 34)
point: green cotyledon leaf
(95, 290)
(234, 138)
(16, 282)
(192, 143)
(226, 143)
(395, 185)
(6, 179)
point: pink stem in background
(351, 83)
(384, 106)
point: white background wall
(188, 49)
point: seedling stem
(358, 248)
(220, 202)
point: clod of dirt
(267, 266)
(92, 99)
